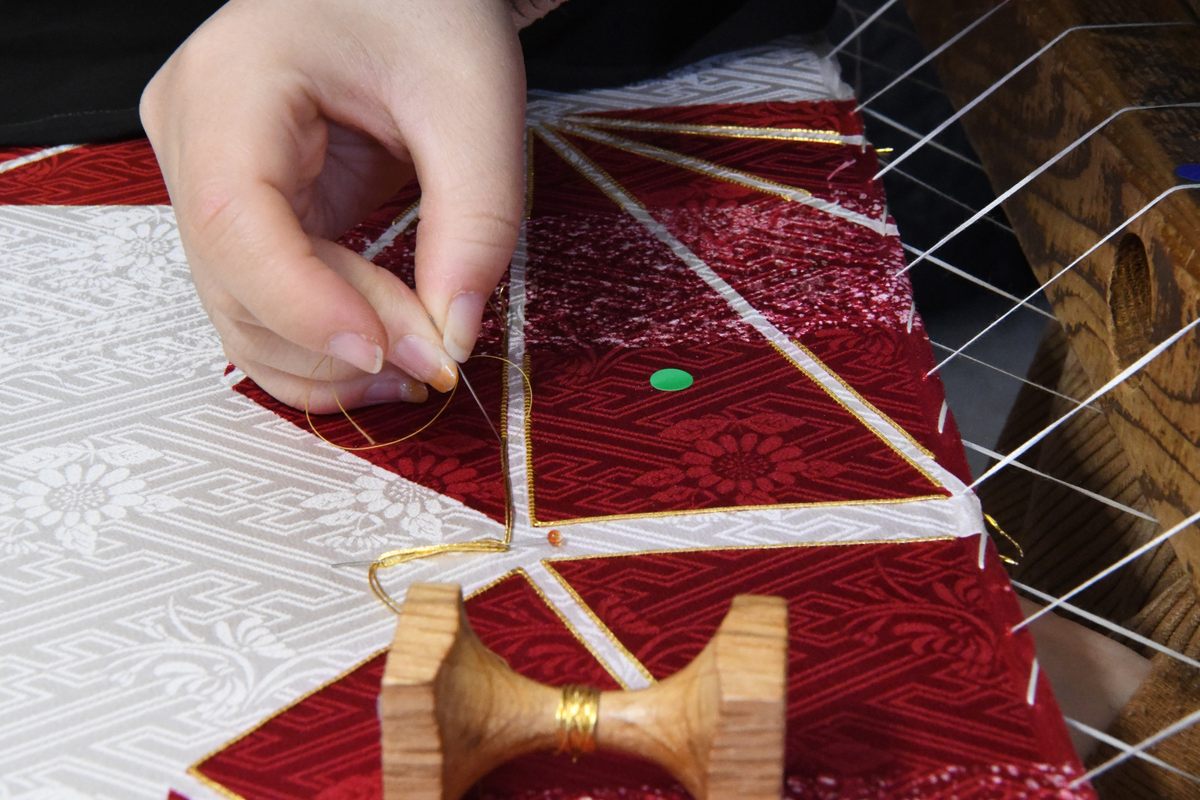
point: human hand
(281, 123)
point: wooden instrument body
(1116, 93)
(1130, 84)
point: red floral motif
(743, 464)
(743, 461)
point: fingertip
(464, 316)
(357, 350)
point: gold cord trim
(1004, 534)
(577, 714)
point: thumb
(469, 159)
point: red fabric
(121, 173)
(903, 682)
(327, 745)
(756, 432)
(830, 115)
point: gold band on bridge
(578, 710)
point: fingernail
(393, 391)
(357, 350)
(423, 359)
(462, 325)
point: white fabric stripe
(893, 436)
(719, 131)
(932, 54)
(791, 193)
(614, 660)
(29, 158)
(988, 92)
(978, 448)
(1060, 273)
(517, 468)
(398, 226)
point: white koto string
(1120, 630)
(907, 131)
(1166, 733)
(949, 198)
(1109, 570)
(1125, 747)
(1118, 379)
(924, 84)
(953, 270)
(937, 51)
(1061, 154)
(1099, 498)
(1126, 751)
(994, 323)
(879, 12)
(1014, 376)
(988, 92)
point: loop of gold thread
(403, 555)
(374, 445)
(996, 526)
(578, 711)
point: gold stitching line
(528, 426)
(716, 131)
(878, 434)
(571, 628)
(863, 400)
(784, 192)
(194, 768)
(775, 546)
(689, 512)
(604, 629)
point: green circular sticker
(671, 380)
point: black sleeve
(73, 71)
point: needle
(463, 377)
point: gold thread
(1020, 551)
(912, 440)
(548, 563)
(716, 131)
(689, 512)
(785, 192)
(577, 713)
(372, 444)
(600, 625)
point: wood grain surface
(1144, 284)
